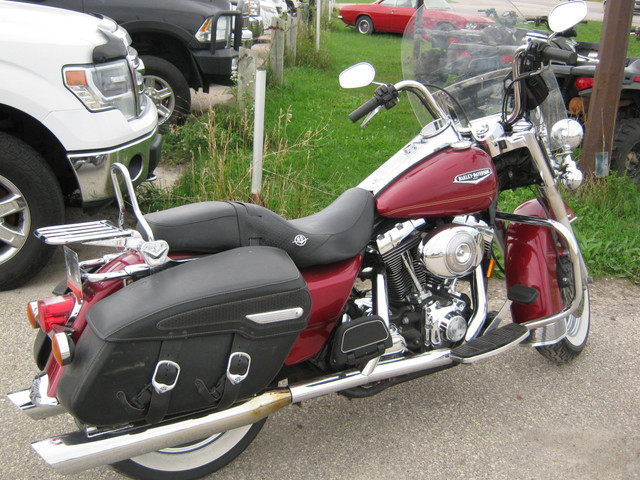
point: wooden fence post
(276, 55)
(292, 39)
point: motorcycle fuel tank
(449, 182)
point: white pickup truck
(71, 104)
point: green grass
(314, 152)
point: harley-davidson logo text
(473, 177)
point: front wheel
(577, 332)
(192, 460)
(167, 88)
(30, 198)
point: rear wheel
(364, 25)
(625, 156)
(192, 460)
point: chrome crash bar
(574, 254)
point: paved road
(515, 416)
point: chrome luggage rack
(86, 232)
(106, 234)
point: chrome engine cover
(452, 251)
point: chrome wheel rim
(162, 96)
(15, 220)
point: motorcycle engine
(428, 302)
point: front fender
(531, 260)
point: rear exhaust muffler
(81, 450)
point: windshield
(467, 52)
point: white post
(318, 15)
(258, 133)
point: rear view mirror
(566, 15)
(358, 75)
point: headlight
(103, 87)
(223, 30)
(471, 26)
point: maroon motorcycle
(171, 353)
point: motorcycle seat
(338, 232)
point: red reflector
(465, 53)
(583, 83)
(453, 40)
(55, 311)
(506, 58)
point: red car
(393, 16)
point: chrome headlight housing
(104, 86)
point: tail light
(582, 83)
(506, 58)
(52, 311)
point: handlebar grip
(560, 55)
(364, 109)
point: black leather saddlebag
(204, 334)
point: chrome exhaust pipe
(81, 450)
(34, 401)
(78, 451)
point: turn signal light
(583, 83)
(62, 348)
(32, 314)
(54, 311)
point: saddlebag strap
(226, 390)
(165, 377)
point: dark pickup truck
(183, 44)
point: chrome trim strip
(276, 316)
(412, 154)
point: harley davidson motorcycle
(171, 353)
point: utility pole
(603, 105)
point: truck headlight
(223, 30)
(103, 87)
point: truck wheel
(30, 198)
(625, 155)
(168, 89)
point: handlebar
(549, 53)
(364, 109)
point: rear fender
(531, 260)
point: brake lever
(370, 115)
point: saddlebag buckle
(165, 376)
